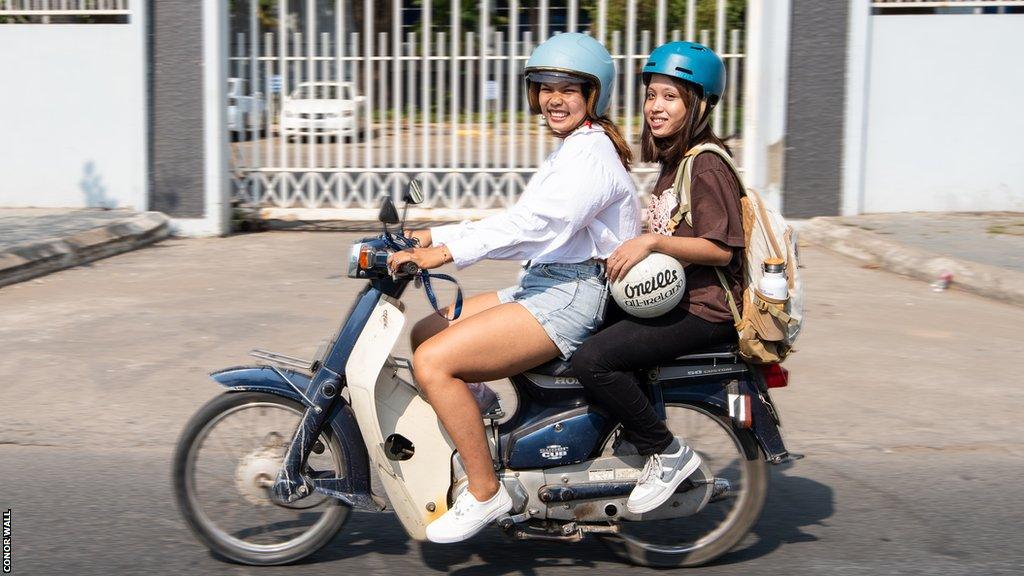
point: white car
(244, 112)
(321, 108)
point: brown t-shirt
(716, 214)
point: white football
(652, 287)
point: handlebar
(369, 259)
(407, 269)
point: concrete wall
(176, 108)
(188, 100)
(943, 114)
(764, 97)
(815, 108)
(73, 105)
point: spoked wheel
(225, 463)
(731, 460)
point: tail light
(775, 376)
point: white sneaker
(660, 477)
(468, 516)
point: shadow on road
(793, 503)
(382, 534)
(365, 533)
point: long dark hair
(590, 95)
(669, 151)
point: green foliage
(266, 12)
(647, 14)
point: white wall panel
(73, 123)
(945, 122)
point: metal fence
(64, 7)
(425, 98)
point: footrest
(789, 457)
(493, 413)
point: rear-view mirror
(413, 193)
(388, 213)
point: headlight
(365, 258)
(353, 261)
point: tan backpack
(767, 328)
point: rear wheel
(225, 462)
(731, 457)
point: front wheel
(224, 465)
(732, 458)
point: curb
(30, 260)
(982, 279)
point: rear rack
(284, 360)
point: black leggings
(607, 362)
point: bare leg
(491, 344)
(434, 323)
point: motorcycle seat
(717, 351)
(559, 368)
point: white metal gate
(415, 94)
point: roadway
(905, 402)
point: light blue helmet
(573, 54)
(691, 62)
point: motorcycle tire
(736, 525)
(206, 526)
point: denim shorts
(567, 299)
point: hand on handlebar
(423, 258)
(422, 237)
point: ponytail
(621, 147)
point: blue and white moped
(269, 472)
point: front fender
(264, 379)
(342, 420)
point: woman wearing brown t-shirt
(683, 82)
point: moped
(268, 472)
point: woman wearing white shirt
(579, 206)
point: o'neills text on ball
(659, 281)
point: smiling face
(562, 105)
(664, 109)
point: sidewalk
(983, 251)
(37, 241)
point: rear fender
(713, 397)
(342, 420)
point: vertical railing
(431, 99)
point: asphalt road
(905, 401)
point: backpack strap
(684, 180)
(682, 192)
(736, 318)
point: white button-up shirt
(580, 204)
